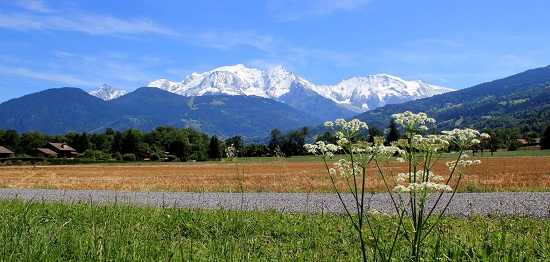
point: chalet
(145, 154)
(44, 152)
(4, 152)
(529, 142)
(63, 150)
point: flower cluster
(348, 130)
(379, 151)
(461, 164)
(420, 182)
(465, 137)
(353, 125)
(231, 152)
(411, 121)
(429, 143)
(346, 169)
(320, 148)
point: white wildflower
(347, 169)
(401, 189)
(322, 149)
(402, 177)
(412, 121)
(342, 141)
(231, 152)
(340, 122)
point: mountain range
(357, 94)
(518, 100)
(345, 99)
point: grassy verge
(35, 231)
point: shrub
(514, 146)
(94, 154)
(172, 158)
(155, 157)
(117, 156)
(129, 157)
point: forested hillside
(516, 101)
(62, 110)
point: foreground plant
(416, 216)
(231, 153)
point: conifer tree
(393, 134)
(545, 141)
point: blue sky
(457, 44)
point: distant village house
(44, 152)
(146, 154)
(529, 142)
(61, 150)
(4, 152)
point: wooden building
(44, 152)
(4, 152)
(63, 150)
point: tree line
(184, 144)
(187, 144)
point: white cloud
(86, 23)
(34, 5)
(224, 39)
(86, 71)
(48, 76)
(289, 10)
(63, 54)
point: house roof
(60, 147)
(46, 151)
(534, 141)
(4, 150)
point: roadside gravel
(518, 203)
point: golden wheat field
(493, 174)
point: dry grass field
(494, 174)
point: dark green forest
(184, 144)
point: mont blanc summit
(234, 80)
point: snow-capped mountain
(107, 92)
(365, 93)
(234, 80)
(357, 94)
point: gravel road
(521, 203)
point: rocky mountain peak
(107, 92)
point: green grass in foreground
(36, 231)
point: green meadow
(38, 231)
